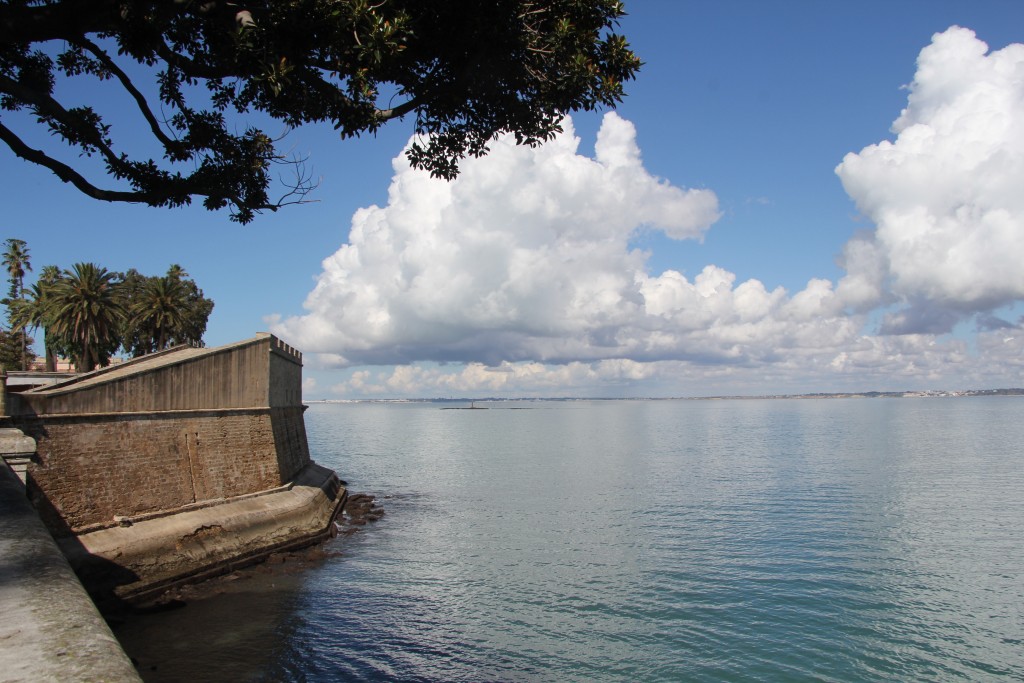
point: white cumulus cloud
(518, 277)
(946, 195)
(525, 256)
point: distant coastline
(933, 393)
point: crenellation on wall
(287, 351)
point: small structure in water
(472, 406)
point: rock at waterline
(360, 508)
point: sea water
(714, 540)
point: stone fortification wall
(165, 432)
(92, 469)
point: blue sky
(813, 280)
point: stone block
(14, 442)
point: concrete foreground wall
(49, 628)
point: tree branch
(296, 194)
(154, 125)
(68, 174)
(399, 111)
(188, 66)
(50, 107)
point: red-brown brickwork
(95, 467)
(290, 441)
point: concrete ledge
(14, 442)
(50, 630)
(139, 561)
(17, 450)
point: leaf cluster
(11, 350)
(163, 311)
(465, 70)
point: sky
(793, 197)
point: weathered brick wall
(290, 440)
(95, 467)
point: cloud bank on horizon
(520, 277)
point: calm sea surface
(734, 540)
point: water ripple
(666, 541)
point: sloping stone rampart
(157, 552)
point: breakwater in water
(845, 540)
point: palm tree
(86, 309)
(161, 310)
(35, 311)
(198, 309)
(177, 272)
(16, 261)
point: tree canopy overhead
(466, 70)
